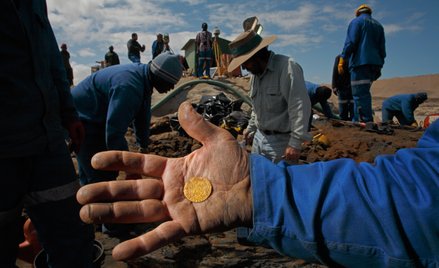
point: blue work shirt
(352, 214)
(365, 42)
(157, 48)
(404, 103)
(113, 98)
(35, 100)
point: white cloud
(91, 21)
(190, 2)
(392, 28)
(292, 20)
(86, 52)
(80, 71)
(286, 40)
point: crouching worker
(402, 107)
(319, 94)
(110, 100)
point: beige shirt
(280, 100)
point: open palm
(220, 160)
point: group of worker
(304, 211)
(354, 71)
(313, 211)
(160, 45)
(310, 211)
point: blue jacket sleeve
(408, 107)
(355, 215)
(326, 109)
(124, 102)
(352, 39)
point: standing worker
(221, 68)
(111, 57)
(166, 40)
(134, 48)
(281, 106)
(402, 107)
(157, 46)
(203, 46)
(365, 50)
(66, 60)
(341, 86)
(36, 110)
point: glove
(76, 133)
(340, 66)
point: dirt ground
(342, 140)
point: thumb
(198, 128)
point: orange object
(429, 119)
(30, 247)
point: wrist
(238, 200)
(239, 205)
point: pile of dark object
(220, 111)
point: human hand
(291, 154)
(77, 133)
(220, 159)
(335, 91)
(248, 136)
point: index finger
(124, 190)
(150, 165)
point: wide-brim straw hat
(245, 46)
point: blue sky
(311, 32)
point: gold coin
(197, 189)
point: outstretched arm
(221, 160)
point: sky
(310, 32)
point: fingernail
(95, 161)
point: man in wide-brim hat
(281, 106)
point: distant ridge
(383, 88)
